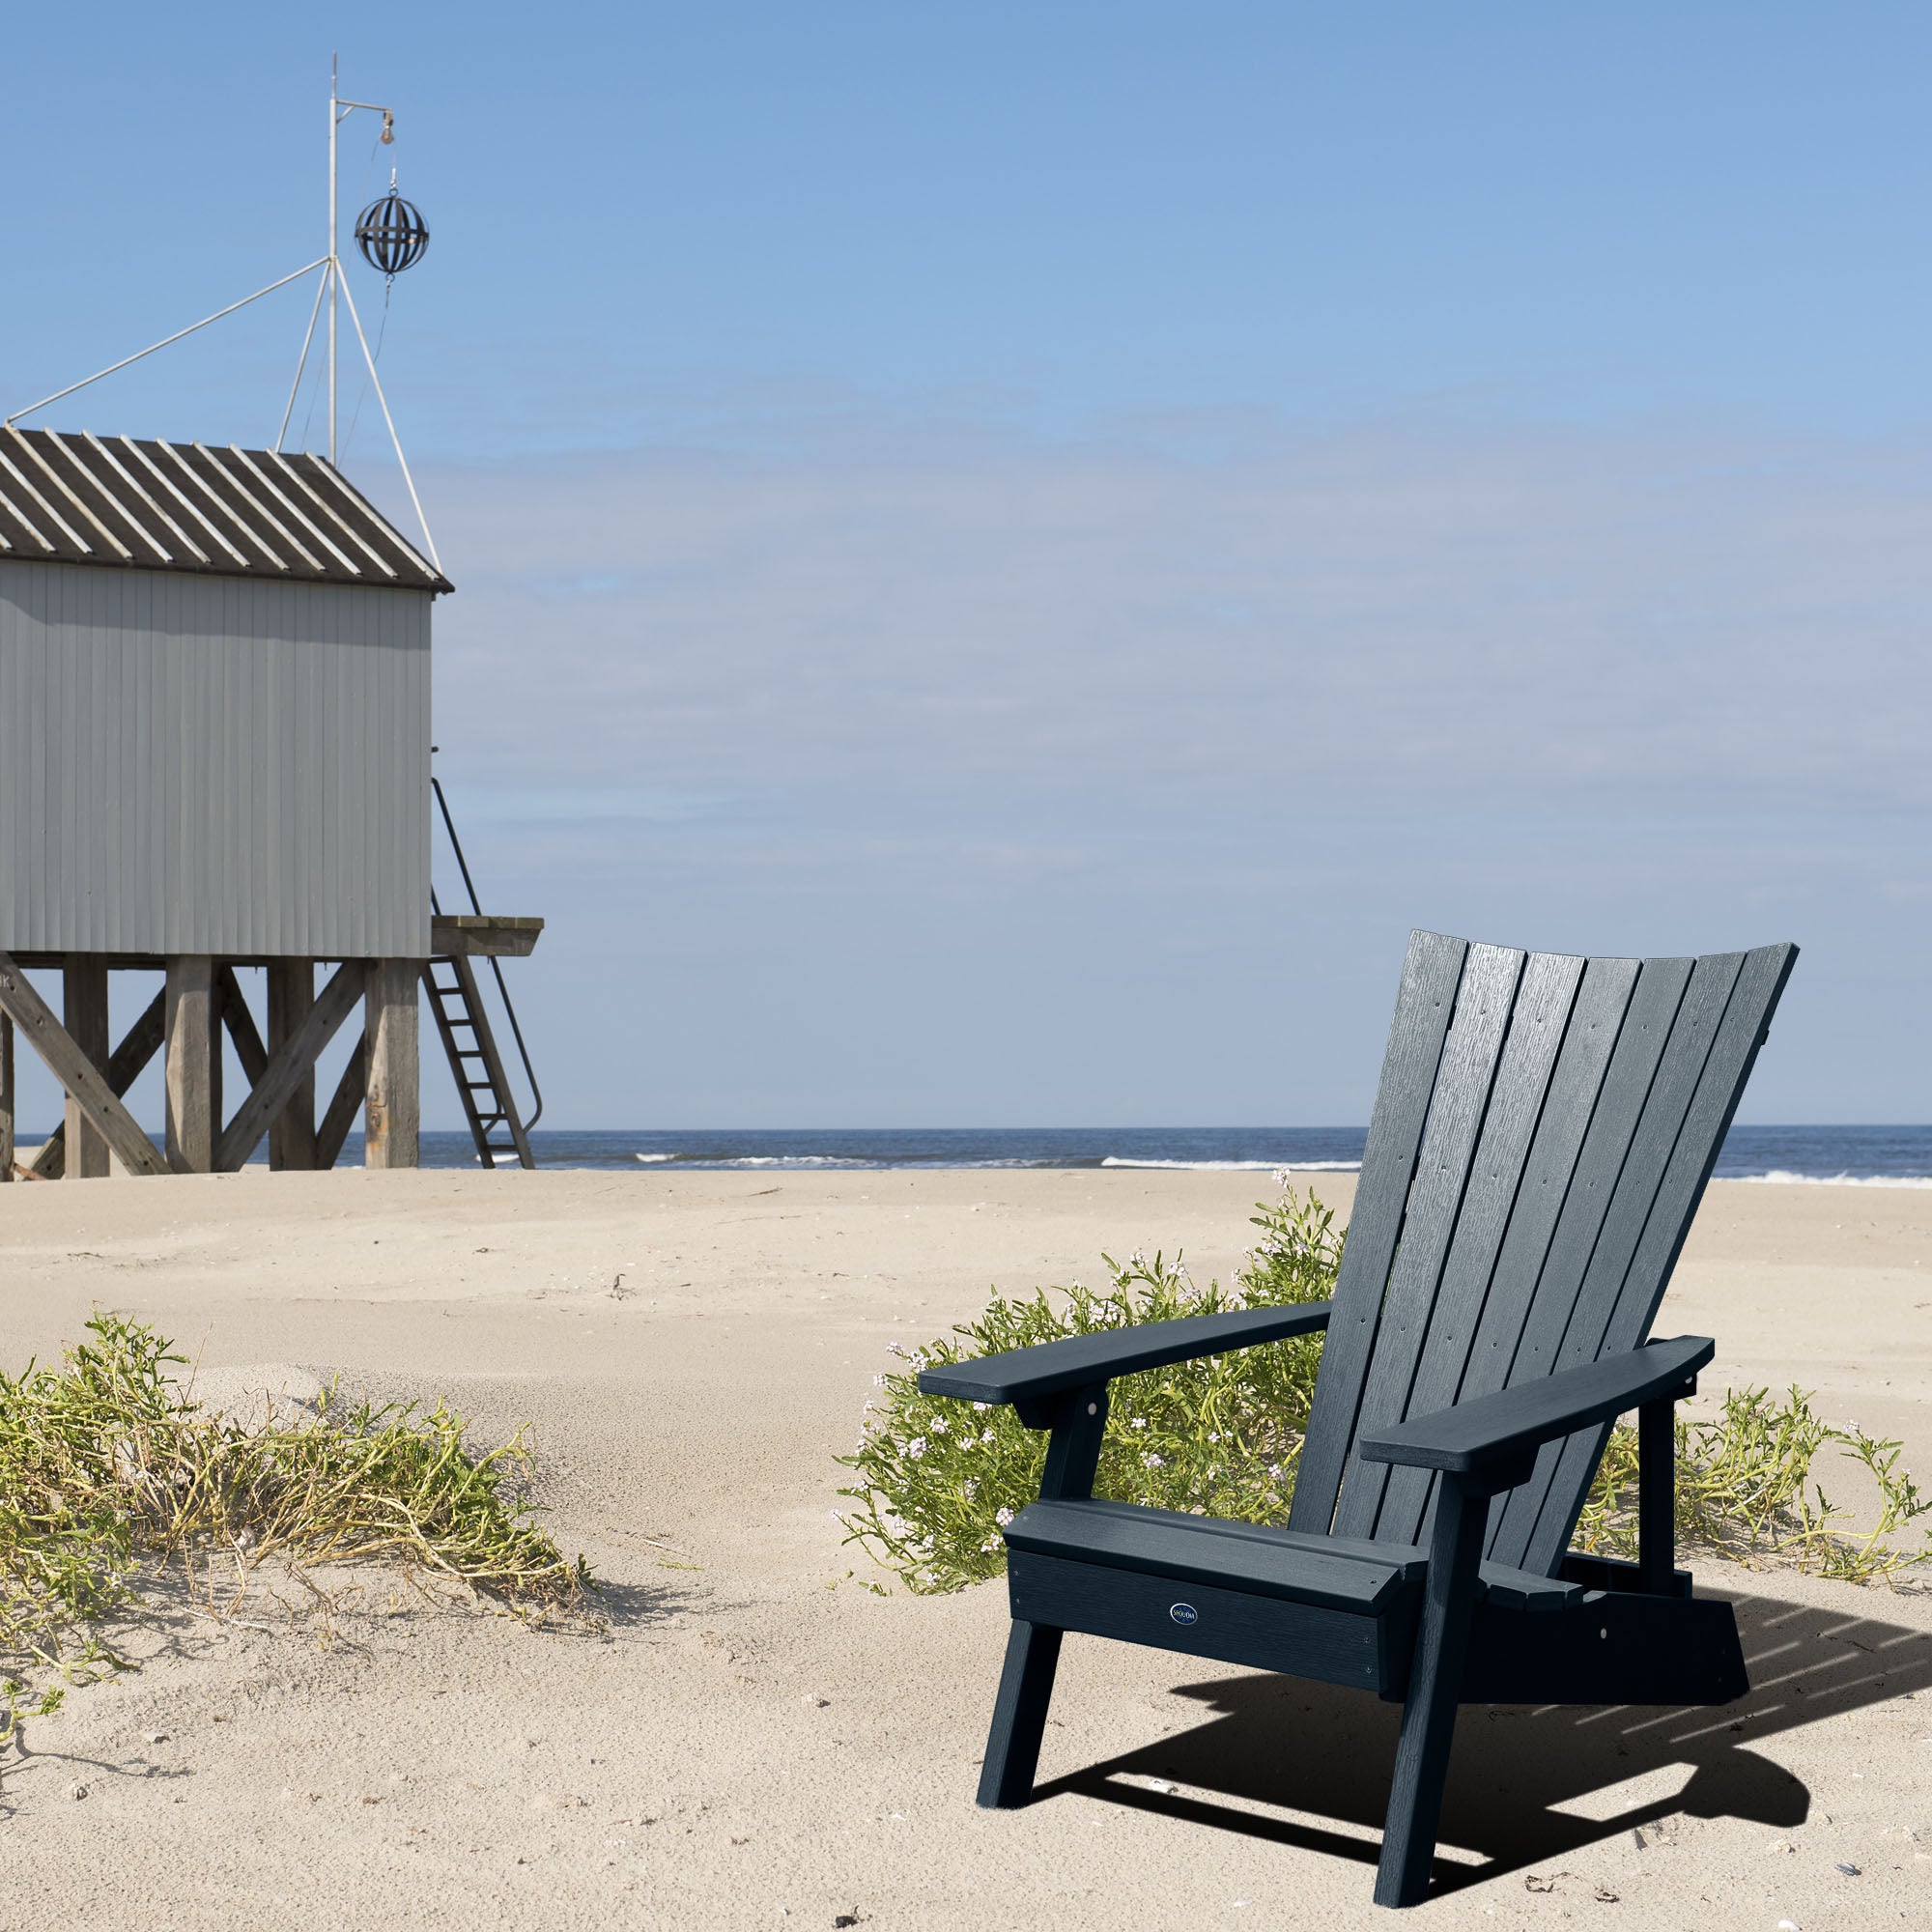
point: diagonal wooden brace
(343, 1106)
(290, 1065)
(130, 1061)
(86, 1083)
(241, 1025)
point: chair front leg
(1078, 1420)
(1428, 1716)
(1019, 1716)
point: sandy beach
(760, 1739)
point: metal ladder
(482, 1082)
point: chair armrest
(1509, 1426)
(1027, 1376)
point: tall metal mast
(339, 111)
(334, 269)
(396, 249)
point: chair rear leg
(1428, 1714)
(1019, 1716)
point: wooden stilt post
(130, 1058)
(392, 1115)
(84, 1014)
(291, 995)
(193, 1065)
(6, 1100)
(293, 1062)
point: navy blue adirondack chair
(1541, 1139)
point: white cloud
(1600, 623)
(1074, 785)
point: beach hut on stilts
(215, 760)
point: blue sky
(1005, 558)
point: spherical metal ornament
(391, 234)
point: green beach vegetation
(111, 1472)
(936, 1480)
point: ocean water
(1878, 1157)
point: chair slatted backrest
(1541, 1139)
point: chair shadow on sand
(1314, 1748)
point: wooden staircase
(481, 1082)
(497, 1125)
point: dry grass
(1747, 1490)
(110, 1469)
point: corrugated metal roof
(67, 498)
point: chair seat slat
(1331, 1572)
(1290, 1564)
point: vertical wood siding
(210, 764)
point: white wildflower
(1139, 1422)
(983, 1407)
(940, 1424)
(915, 1448)
(986, 1435)
(1154, 1462)
(1003, 1517)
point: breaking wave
(1781, 1176)
(1237, 1166)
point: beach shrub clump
(1741, 1491)
(109, 1468)
(936, 1480)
